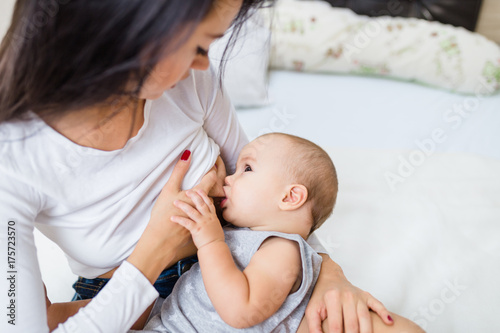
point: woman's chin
(151, 95)
(154, 96)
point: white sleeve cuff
(117, 306)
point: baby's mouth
(221, 205)
(217, 201)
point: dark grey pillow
(463, 13)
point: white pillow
(245, 73)
(313, 36)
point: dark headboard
(463, 13)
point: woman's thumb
(180, 170)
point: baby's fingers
(183, 221)
(207, 200)
(202, 204)
(190, 211)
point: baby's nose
(227, 180)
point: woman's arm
(58, 313)
(241, 298)
(21, 287)
(346, 306)
(23, 292)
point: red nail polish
(390, 318)
(185, 155)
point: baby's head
(282, 183)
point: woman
(98, 101)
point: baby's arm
(242, 299)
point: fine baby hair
(311, 166)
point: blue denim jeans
(89, 288)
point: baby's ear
(294, 197)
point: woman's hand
(346, 306)
(162, 237)
(220, 170)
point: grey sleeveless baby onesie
(188, 308)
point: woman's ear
(294, 197)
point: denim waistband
(89, 288)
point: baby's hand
(202, 222)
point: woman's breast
(98, 216)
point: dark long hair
(64, 55)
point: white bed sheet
(428, 246)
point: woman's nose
(200, 62)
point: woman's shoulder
(20, 142)
(20, 129)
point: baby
(259, 274)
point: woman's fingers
(175, 181)
(314, 322)
(350, 315)
(365, 322)
(220, 169)
(380, 309)
(208, 181)
(334, 310)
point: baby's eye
(248, 168)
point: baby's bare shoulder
(279, 251)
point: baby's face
(254, 191)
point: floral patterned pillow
(313, 36)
